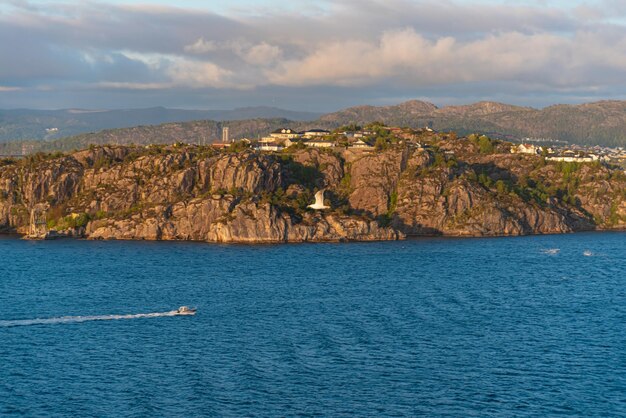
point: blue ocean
(528, 326)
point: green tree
(381, 144)
(238, 146)
(353, 127)
(485, 145)
(502, 187)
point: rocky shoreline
(80, 235)
(200, 194)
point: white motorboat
(185, 310)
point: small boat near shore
(186, 310)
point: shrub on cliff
(502, 187)
(7, 161)
(353, 127)
(238, 146)
(75, 220)
(483, 142)
(485, 145)
(381, 144)
(296, 146)
(299, 173)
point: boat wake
(77, 319)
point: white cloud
(199, 74)
(262, 54)
(8, 88)
(201, 46)
(408, 58)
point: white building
(525, 149)
(285, 133)
(268, 147)
(362, 134)
(279, 137)
(290, 142)
(313, 133)
(573, 159)
(360, 144)
(319, 143)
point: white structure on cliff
(225, 135)
(284, 133)
(525, 149)
(269, 146)
(360, 144)
(314, 133)
(319, 143)
(571, 159)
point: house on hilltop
(314, 133)
(285, 133)
(360, 144)
(269, 146)
(525, 149)
(278, 138)
(319, 143)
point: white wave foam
(77, 319)
(588, 253)
(551, 251)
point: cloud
(199, 74)
(201, 46)
(366, 48)
(262, 54)
(258, 54)
(132, 86)
(408, 58)
(8, 89)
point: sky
(320, 55)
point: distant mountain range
(53, 124)
(599, 123)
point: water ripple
(485, 327)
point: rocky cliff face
(182, 194)
(196, 193)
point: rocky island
(433, 184)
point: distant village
(574, 153)
(282, 138)
(375, 136)
(369, 138)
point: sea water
(457, 327)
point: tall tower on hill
(225, 135)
